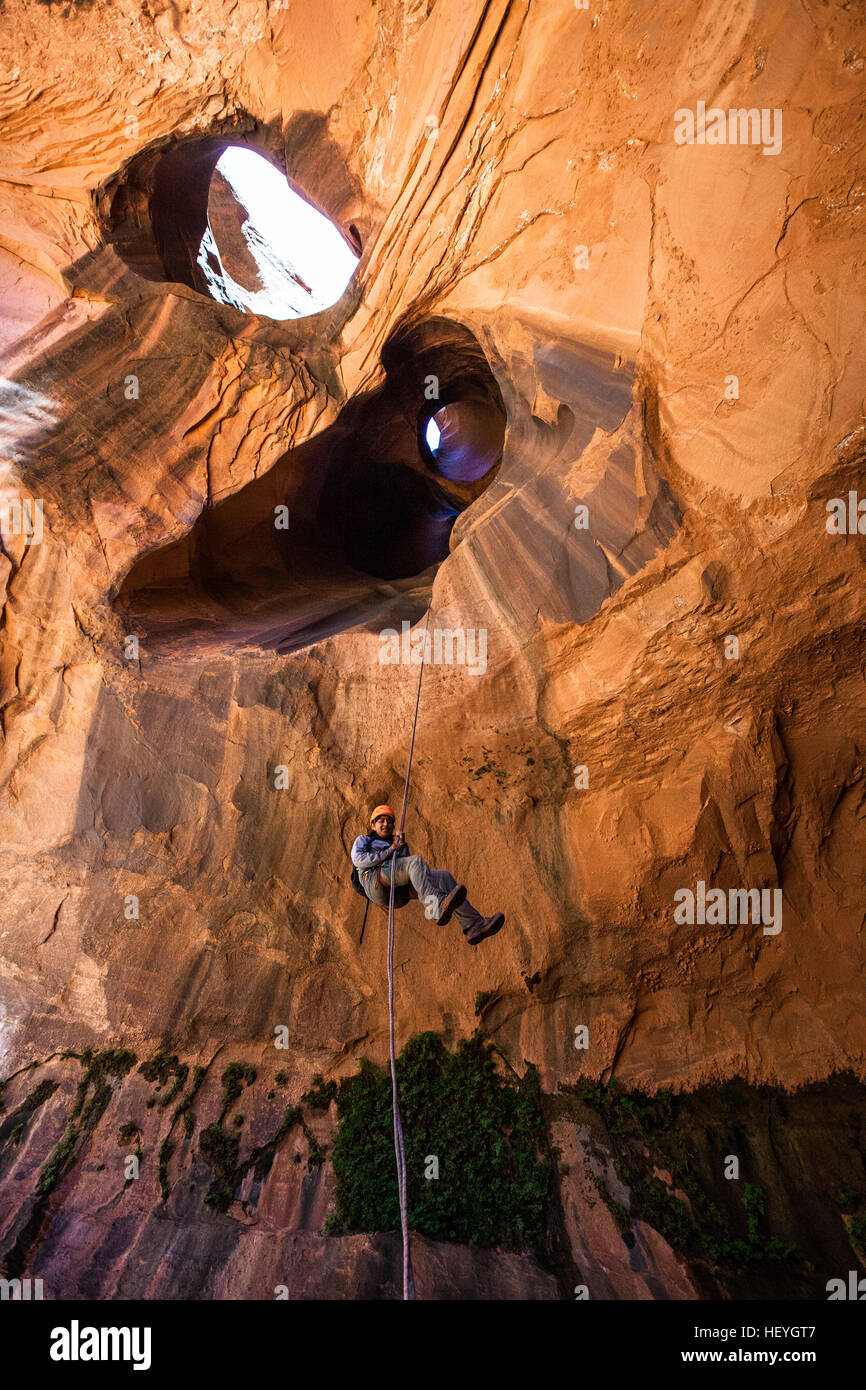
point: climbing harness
(404, 896)
(399, 1150)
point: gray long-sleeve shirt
(369, 852)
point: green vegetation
(486, 1129)
(160, 1069)
(482, 997)
(177, 1085)
(320, 1094)
(626, 1112)
(857, 1232)
(233, 1078)
(221, 1150)
(91, 1100)
(645, 1136)
(97, 1071)
(129, 1133)
(753, 1203)
(620, 1215)
(293, 1116)
(852, 1204)
(185, 1107)
(56, 1163)
(87, 1110)
(166, 1149)
(487, 767)
(36, 1098)
(847, 1199)
(29, 1066)
(15, 1123)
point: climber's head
(382, 821)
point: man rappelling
(438, 890)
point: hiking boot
(489, 926)
(455, 898)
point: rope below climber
(442, 895)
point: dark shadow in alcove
(370, 518)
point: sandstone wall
(616, 281)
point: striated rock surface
(673, 334)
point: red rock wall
(616, 281)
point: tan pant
(430, 886)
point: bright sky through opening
(303, 262)
(433, 435)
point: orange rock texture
(672, 685)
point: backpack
(401, 894)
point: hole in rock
(266, 250)
(464, 439)
(370, 513)
(217, 215)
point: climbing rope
(399, 1150)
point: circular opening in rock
(369, 501)
(464, 439)
(265, 250)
